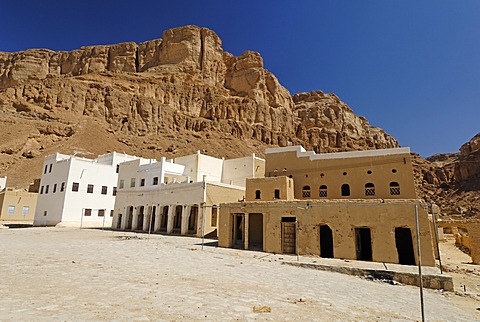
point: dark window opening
(46, 168)
(114, 192)
(54, 188)
(50, 168)
(75, 186)
(258, 194)
(117, 169)
(101, 212)
(46, 189)
(142, 182)
(90, 188)
(214, 216)
(41, 190)
(62, 187)
(276, 194)
(345, 190)
(104, 190)
(155, 181)
(88, 212)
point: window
(306, 192)
(132, 182)
(114, 193)
(90, 188)
(50, 168)
(369, 189)
(117, 168)
(394, 188)
(276, 194)
(122, 183)
(11, 210)
(54, 188)
(45, 213)
(104, 190)
(41, 190)
(142, 182)
(46, 168)
(214, 216)
(101, 212)
(46, 189)
(155, 181)
(345, 190)
(322, 191)
(258, 194)
(62, 187)
(111, 213)
(88, 212)
(25, 210)
(75, 186)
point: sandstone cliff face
(183, 86)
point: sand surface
(53, 274)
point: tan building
(17, 206)
(351, 205)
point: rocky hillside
(452, 180)
(163, 97)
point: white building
(180, 195)
(77, 191)
(3, 183)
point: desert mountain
(163, 97)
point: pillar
(200, 220)
(185, 219)
(146, 217)
(171, 213)
(135, 218)
(158, 215)
(124, 219)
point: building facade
(16, 206)
(180, 195)
(351, 205)
(77, 191)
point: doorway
(119, 221)
(140, 218)
(363, 242)
(404, 243)
(130, 218)
(152, 218)
(237, 231)
(164, 219)
(255, 231)
(289, 235)
(192, 220)
(177, 219)
(326, 241)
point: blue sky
(410, 67)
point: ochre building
(352, 205)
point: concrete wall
(21, 202)
(382, 217)
(380, 167)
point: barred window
(306, 192)
(394, 188)
(322, 191)
(369, 189)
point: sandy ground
(53, 274)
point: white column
(158, 214)
(185, 219)
(200, 220)
(146, 217)
(124, 218)
(171, 213)
(135, 219)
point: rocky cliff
(162, 97)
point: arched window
(345, 190)
(394, 188)
(322, 191)
(369, 189)
(306, 192)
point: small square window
(132, 183)
(101, 212)
(11, 210)
(104, 190)
(25, 210)
(155, 181)
(90, 188)
(75, 186)
(88, 212)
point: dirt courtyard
(60, 274)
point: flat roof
(301, 152)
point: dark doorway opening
(345, 190)
(119, 221)
(140, 218)
(192, 220)
(177, 219)
(326, 241)
(363, 241)
(237, 230)
(404, 242)
(130, 218)
(164, 219)
(255, 231)
(152, 218)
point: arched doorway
(177, 219)
(192, 220)
(164, 219)
(152, 218)
(119, 221)
(141, 216)
(129, 218)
